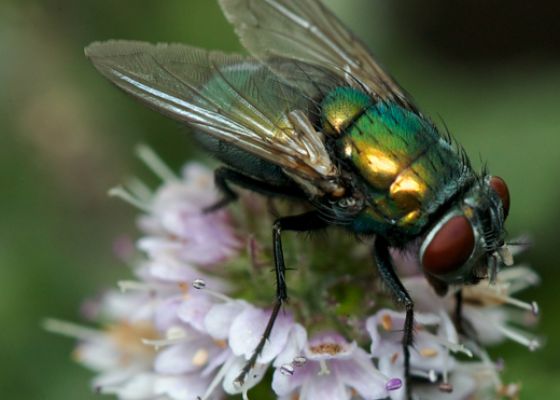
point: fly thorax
(394, 154)
(341, 107)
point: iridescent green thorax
(407, 169)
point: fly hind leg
(300, 223)
(225, 176)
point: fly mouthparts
(504, 253)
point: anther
(446, 387)
(393, 384)
(155, 163)
(500, 364)
(531, 343)
(535, 308)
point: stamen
(324, 368)
(126, 286)
(454, 347)
(531, 343)
(154, 162)
(159, 343)
(173, 335)
(446, 387)
(511, 391)
(445, 367)
(490, 366)
(535, 308)
(430, 375)
(71, 330)
(200, 284)
(497, 294)
(218, 378)
(500, 364)
(140, 190)
(519, 278)
(121, 193)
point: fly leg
(224, 176)
(463, 326)
(459, 322)
(301, 223)
(389, 276)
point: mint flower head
(186, 321)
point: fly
(311, 115)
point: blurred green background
(491, 70)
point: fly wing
(307, 31)
(233, 98)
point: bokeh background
(490, 69)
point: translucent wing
(236, 99)
(307, 31)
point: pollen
(200, 358)
(222, 344)
(428, 352)
(327, 348)
(387, 322)
(129, 337)
(184, 287)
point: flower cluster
(187, 323)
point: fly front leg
(459, 312)
(389, 276)
(463, 326)
(300, 223)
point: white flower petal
(324, 387)
(284, 384)
(219, 318)
(248, 328)
(140, 387)
(360, 374)
(186, 357)
(297, 339)
(193, 310)
(252, 379)
(184, 387)
(166, 313)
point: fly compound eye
(500, 187)
(450, 247)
